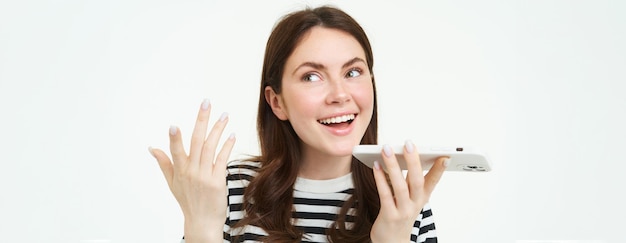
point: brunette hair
(281, 147)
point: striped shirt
(316, 205)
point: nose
(338, 92)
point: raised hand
(198, 180)
(402, 201)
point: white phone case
(461, 158)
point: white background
(87, 86)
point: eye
(311, 77)
(353, 73)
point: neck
(323, 167)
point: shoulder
(241, 172)
(243, 167)
(426, 215)
(424, 227)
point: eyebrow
(321, 66)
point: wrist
(203, 231)
(382, 241)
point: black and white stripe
(316, 206)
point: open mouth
(345, 119)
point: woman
(317, 101)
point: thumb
(164, 163)
(434, 174)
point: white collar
(324, 186)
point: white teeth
(338, 119)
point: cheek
(299, 104)
(363, 94)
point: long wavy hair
(281, 147)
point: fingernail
(232, 136)
(376, 165)
(409, 146)
(173, 130)
(446, 162)
(387, 150)
(205, 104)
(150, 150)
(224, 116)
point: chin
(342, 150)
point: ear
(276, 103)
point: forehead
(327, 46)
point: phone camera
(459, 149)
(473, 168)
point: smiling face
(327, 93)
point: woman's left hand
(399, 209)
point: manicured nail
(173, 130)
(409, 146)
(232, 136)
(205, 104)
(150, 150)
(376, 165)
(387, 150)
(446, 162)
(224, 116)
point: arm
(198, 180)
(402, 201)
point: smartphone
(461, 158)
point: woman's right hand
(198, 180)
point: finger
(415, 175)
(164, 163)
(398, 183)
(210, 145)
(179, 157)
(199, 131)
(384, 192)
(222, 157)
(434, 174)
